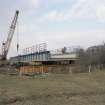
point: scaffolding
(35, 49)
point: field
(59, 89)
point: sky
(58, 23)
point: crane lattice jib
(10, 34)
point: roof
(71, 56)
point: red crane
(6, 45)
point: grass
(58, 89)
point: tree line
(92, 58)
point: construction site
(38, 59)
(63, 76)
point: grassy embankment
(70, 89)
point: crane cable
(17, 36)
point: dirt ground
(59, 89)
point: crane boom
(7, 44)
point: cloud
(101, 13)
(25, 6)
(30, 4)
(82, 9)
(59, 39)
(56, 1)
(53, 16)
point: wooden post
(70, 69)
(20, 71)
(89, 68)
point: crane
(6, 45)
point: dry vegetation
(74, 89)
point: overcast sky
(57, 22)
